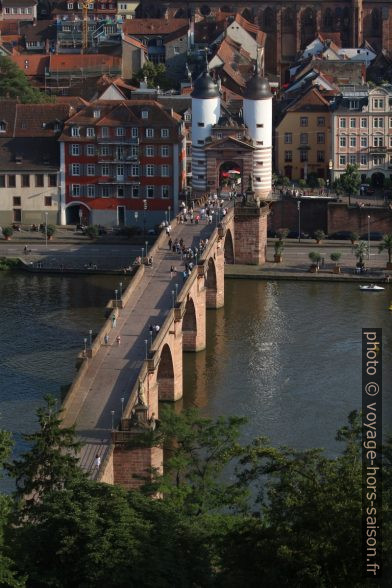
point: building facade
(362, 132)
(118, 158)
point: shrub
(302, 183)
(319, 235)
(354, 236)
(8, 231)
(315, 257)
(92, 231)
(282, 233)
(278, 246)
(335, 257)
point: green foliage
(49, 230)
(315, 257)
(92, 231)
(319, 235)
(282, 234)
(279, 246)
(350, 180)
(386, 245)
(302, 183)
(312, 180)
(51, 461)
(321, 182)
(8, 231)
(354, 236)
(155, 74)
(15, 85)
(335, 257)
(360, 251)
(9, 263)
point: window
(165, 151)
(343, 141)
(75, 190)
(134, 151)
(150, 169)
(134, 132)
(96, 113)
(288, 156)
(90, 149)
(25, 181)
(353, 104)
(200, 124)
(17, 215)
(105, 151)
(105, 191)
(17, 201)
(164, 171)
(144, 114)
(120, 131)
(363, 159)
(90, 169)
(135, 190)
(149, 133)
(150, 191)
(390, 141)
(2, 181)
(303, 138)
(303, 121)
(176, 50)
(39, 180)
(75, 132)
(134, 170)
(320, 138)
(164, 133)
(363, 123)
(165, 191)
(377, 160)
(3, 126)
(187, 117)
(70, 5)
(378, 103)
(321, 121)
(378, 123)
(320, 156)
(150, 151)
(353, 159)
(390, 122)
(120, 152)
(90, 190)
(11, 181)
(353, 123)
(120, 171)
(75, 149)
(90, 132)
(288, 138)
(342, 123)
(260, 126)
(303, 155)
(364, 141)
(52, 180)
(378, 141)
(48, 201)
(353, 141)
(75, 169)
(342, 160)
(104, 169)
(105, 132)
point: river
(287, 355)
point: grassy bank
(9, 263)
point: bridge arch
(165, 375)
(189, 326)
(229, 247)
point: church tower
(257, 114)
(205, 114)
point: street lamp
(146, 345)
(176, 290)
(368, 236)
(122, 406)
(120, 284)
(144, 216)
(85, 345)
(136, 216)
(112, 413)
(172, 297)
(90, 334)
(299, 220)
(46, 229)
(166, 217)
(169, 209)
(146, 243)
(115, 294)
(142, 254)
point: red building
(118, 158)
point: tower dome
(257, 88)
(205, 87)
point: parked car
(374, 236)
(341, 235)
(294, 235)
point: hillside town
(108, 137)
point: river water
(285, 354)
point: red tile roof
(33, 120)
(32, 64)
(66, 63)
(134, 42)
(153, 26)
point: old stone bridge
(118, 387)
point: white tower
(205, 114)
(257, 109)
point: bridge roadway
(113, 370)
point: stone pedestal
(250, 228)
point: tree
(349, 181)
(155, 74)
(386, 245)
(360, 252)
(319, 235)
(335, 258)
(52, 460)
(15, 85)
(315, 258)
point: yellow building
(303, 137)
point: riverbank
(257, 272)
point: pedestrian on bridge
(97, 461)
(114, 321)
(118, 339)
(106, 339)
(172, 271)
(170, 243)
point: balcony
(118, 140)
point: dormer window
(70, 5)
(75, 131)
(57, 126)
(96, 113)
(3, 126)
(144, 113)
